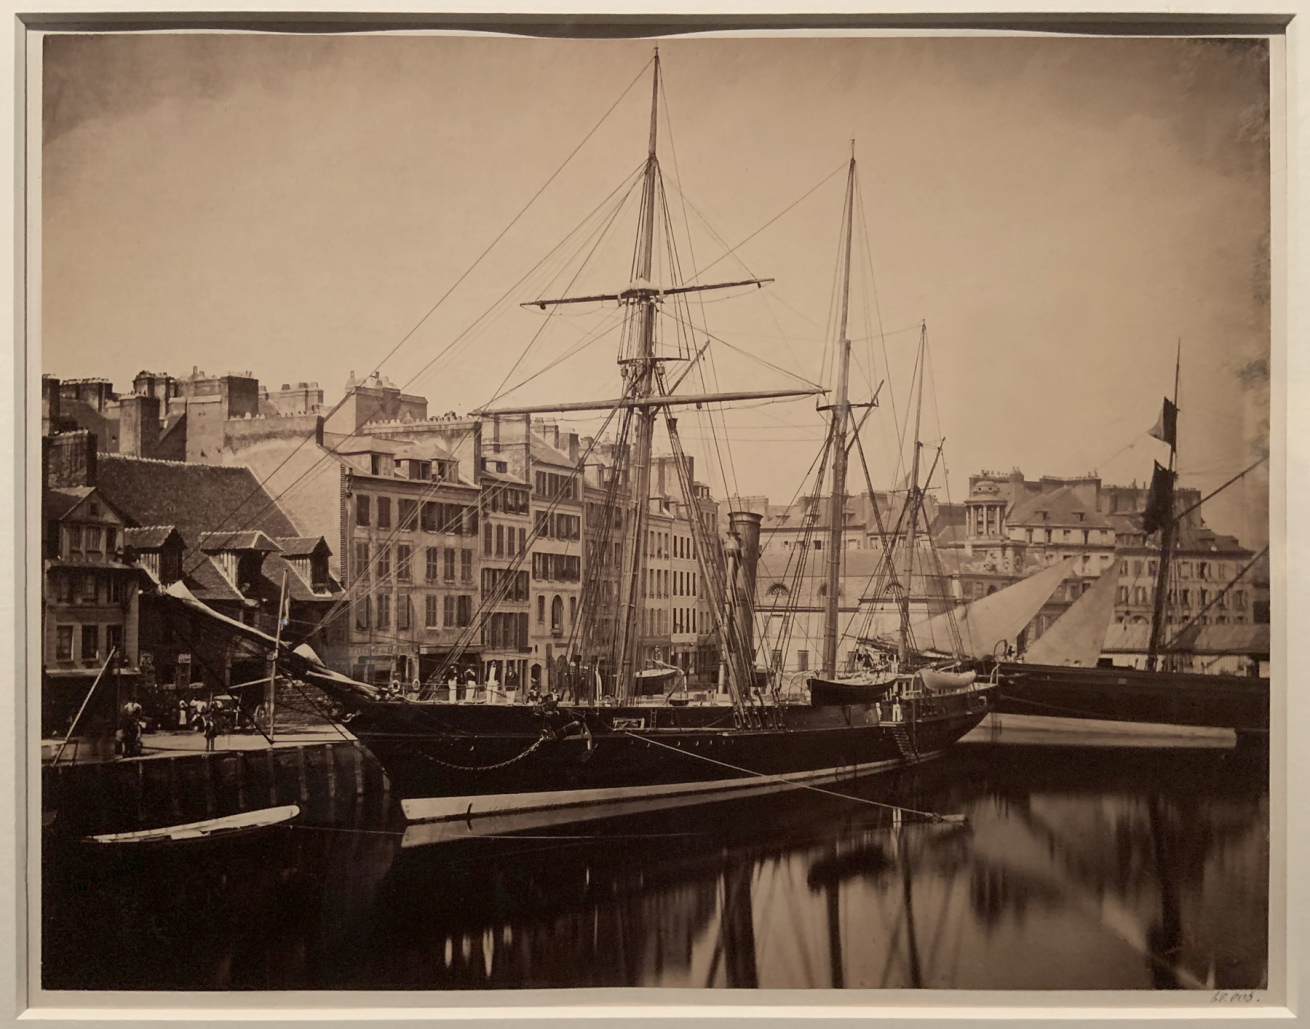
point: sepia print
(776, 512)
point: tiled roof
(149, 537)
(249, 539)
(1062, 508)
(208, 583)
(300, 546)
(194, 498)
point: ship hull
(470, 763)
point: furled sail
(995, 619)
(1078, 636)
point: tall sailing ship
(616, 747)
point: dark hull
(466, 763)
(1133, 695)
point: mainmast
(912, 506)
(645, 395)
(841, 409)
(640, 372)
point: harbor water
(1075, 867)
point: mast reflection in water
(1077, 869)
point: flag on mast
(1166, 429)
(1159, 501)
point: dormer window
(1046, 515)
(318, 572)
(375, 463)
(248, 566)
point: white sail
(1078, 635)
(993, 620)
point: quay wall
(332, 783)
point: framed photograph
(536, 515)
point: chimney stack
(138, 433)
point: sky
(1059, 216)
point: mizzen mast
(841, 410)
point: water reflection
(1077, 869)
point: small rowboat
(213, 828)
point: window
(430, 611)
(1123, 595)
(432, 567)
(449, 566)
(573, 610)
(361, 509)
(429, 517)
(90, 588)
(114, 639)
(384, 611)
(90, 642)
(464, 610)
(1202, 570)
(541, 610)
(523, 541)
(402, 563)
(361, 562)
(557, 617)
(407, 512)
(63, 586)
(803, 660)
(384, 512)
(486, 539)
(818, 544)
(500, 541)
(383, 564)
(404, 612)
(117, 589)
(362, 607)
(64, 643)
(466, 566)
(448, 610)
(1150, 567)
(91, 539)
(1239, 599)
(74, 540)
(1087, 537)
(111, 539)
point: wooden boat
(210, 829)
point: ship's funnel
(745, 526)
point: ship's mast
(841, 410)
(912, 506)
(1167, 532)
(644, 397)
(640, 372)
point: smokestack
(745, 525)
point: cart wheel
(262, 720)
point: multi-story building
(410, 525)
(90, 600)
(506, 593)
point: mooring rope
(930, 815)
